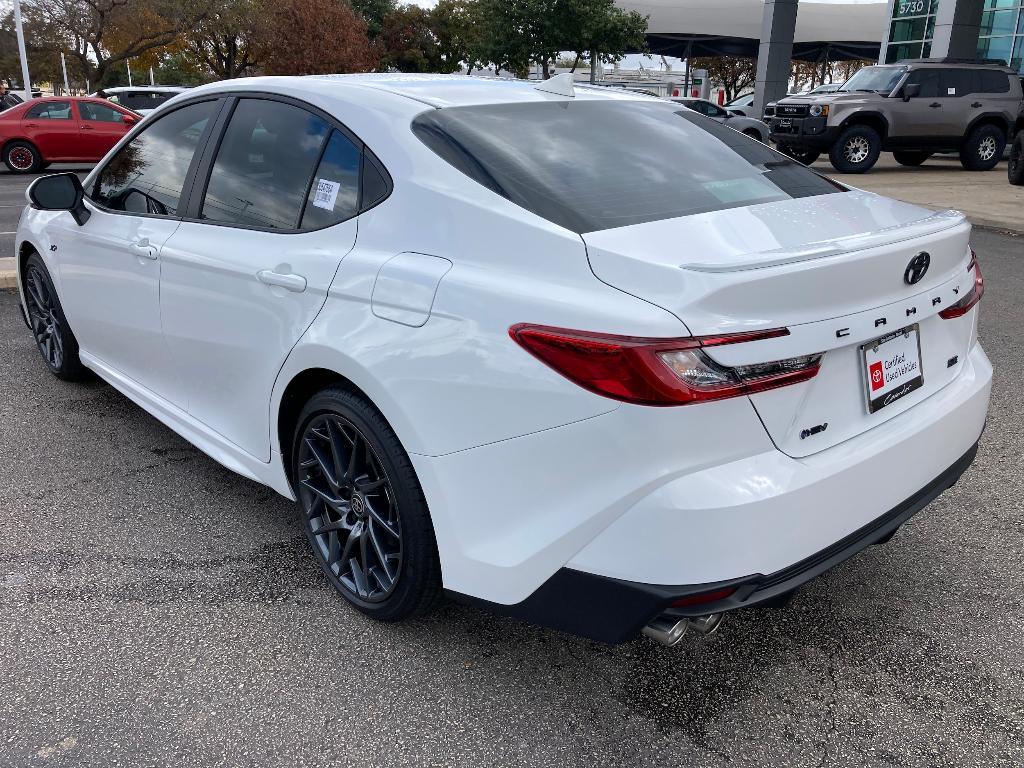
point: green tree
(601, 31)
(100, 35)
(225, 42)
(456, 28)
(408, 40)
(373, 13)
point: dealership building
(778, 31)
(989, 29)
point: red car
(66, 129)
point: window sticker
(951, 91)
(326, 194)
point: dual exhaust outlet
(669, 630)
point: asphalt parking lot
(157, 610)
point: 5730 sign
(911, 8)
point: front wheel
(911, 159)
(856, 150)
(56, 342)
(983, 149)
(22, 157)
(1015, 167)
(363, 509)
(753, 134)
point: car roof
(437, 91)
(144, 89)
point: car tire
(362, 508)
(1015, 165)
(22, 157)
(983, 148)
(54, 339)
(805, 156)
(753, 134)
(856, 150)
(911, 159)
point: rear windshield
(142, 100)
(592, 165)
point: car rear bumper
(764, 523)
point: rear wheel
(1015, 168)
(983, 149)
(56, 342)
(805, 156)
(911, 159)
(856, 150)
(22, 157)
(363, 510)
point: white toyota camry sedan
(585, 357)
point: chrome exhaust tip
(668, 630)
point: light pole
(21, 50)
(64, 69)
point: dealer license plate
(892, 367)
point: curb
(8, 279)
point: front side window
(99, 113)
(263, 169)
(929, 80)
(597, 164)
(147, 174)
(51, 110)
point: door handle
(31, 125)
(290, 282)
(977, 104)
(88, 128)
(141, 247)
(935, 105)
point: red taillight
(658, 371)
(703, 598)
(966, 304)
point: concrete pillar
(775, 55)
(956, 29)
(888, 30)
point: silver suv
(913, 109)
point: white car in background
(580, 355)
(753, 128)
(139, 98)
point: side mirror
(59, 192)
(129, 120)
(911, 91)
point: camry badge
(917, 268)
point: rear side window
(992, 82)
(597, 164)
(334, 194)
(264, 166)
(955, 82)
(51, 110)
(99, 113)
(147, 174)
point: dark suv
(912, 109)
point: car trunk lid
(832, 269)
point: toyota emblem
(917, 268)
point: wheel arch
(875, 120)
(991, 118)
(298, 383)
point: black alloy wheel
(363, 510)
(56, 342)
(1015, 166)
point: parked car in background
(72, 129)
(741, 105)
(141, 99)
(913, 109)
(755, 129)
(582, 355)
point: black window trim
(93, 179)
(201, 180)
